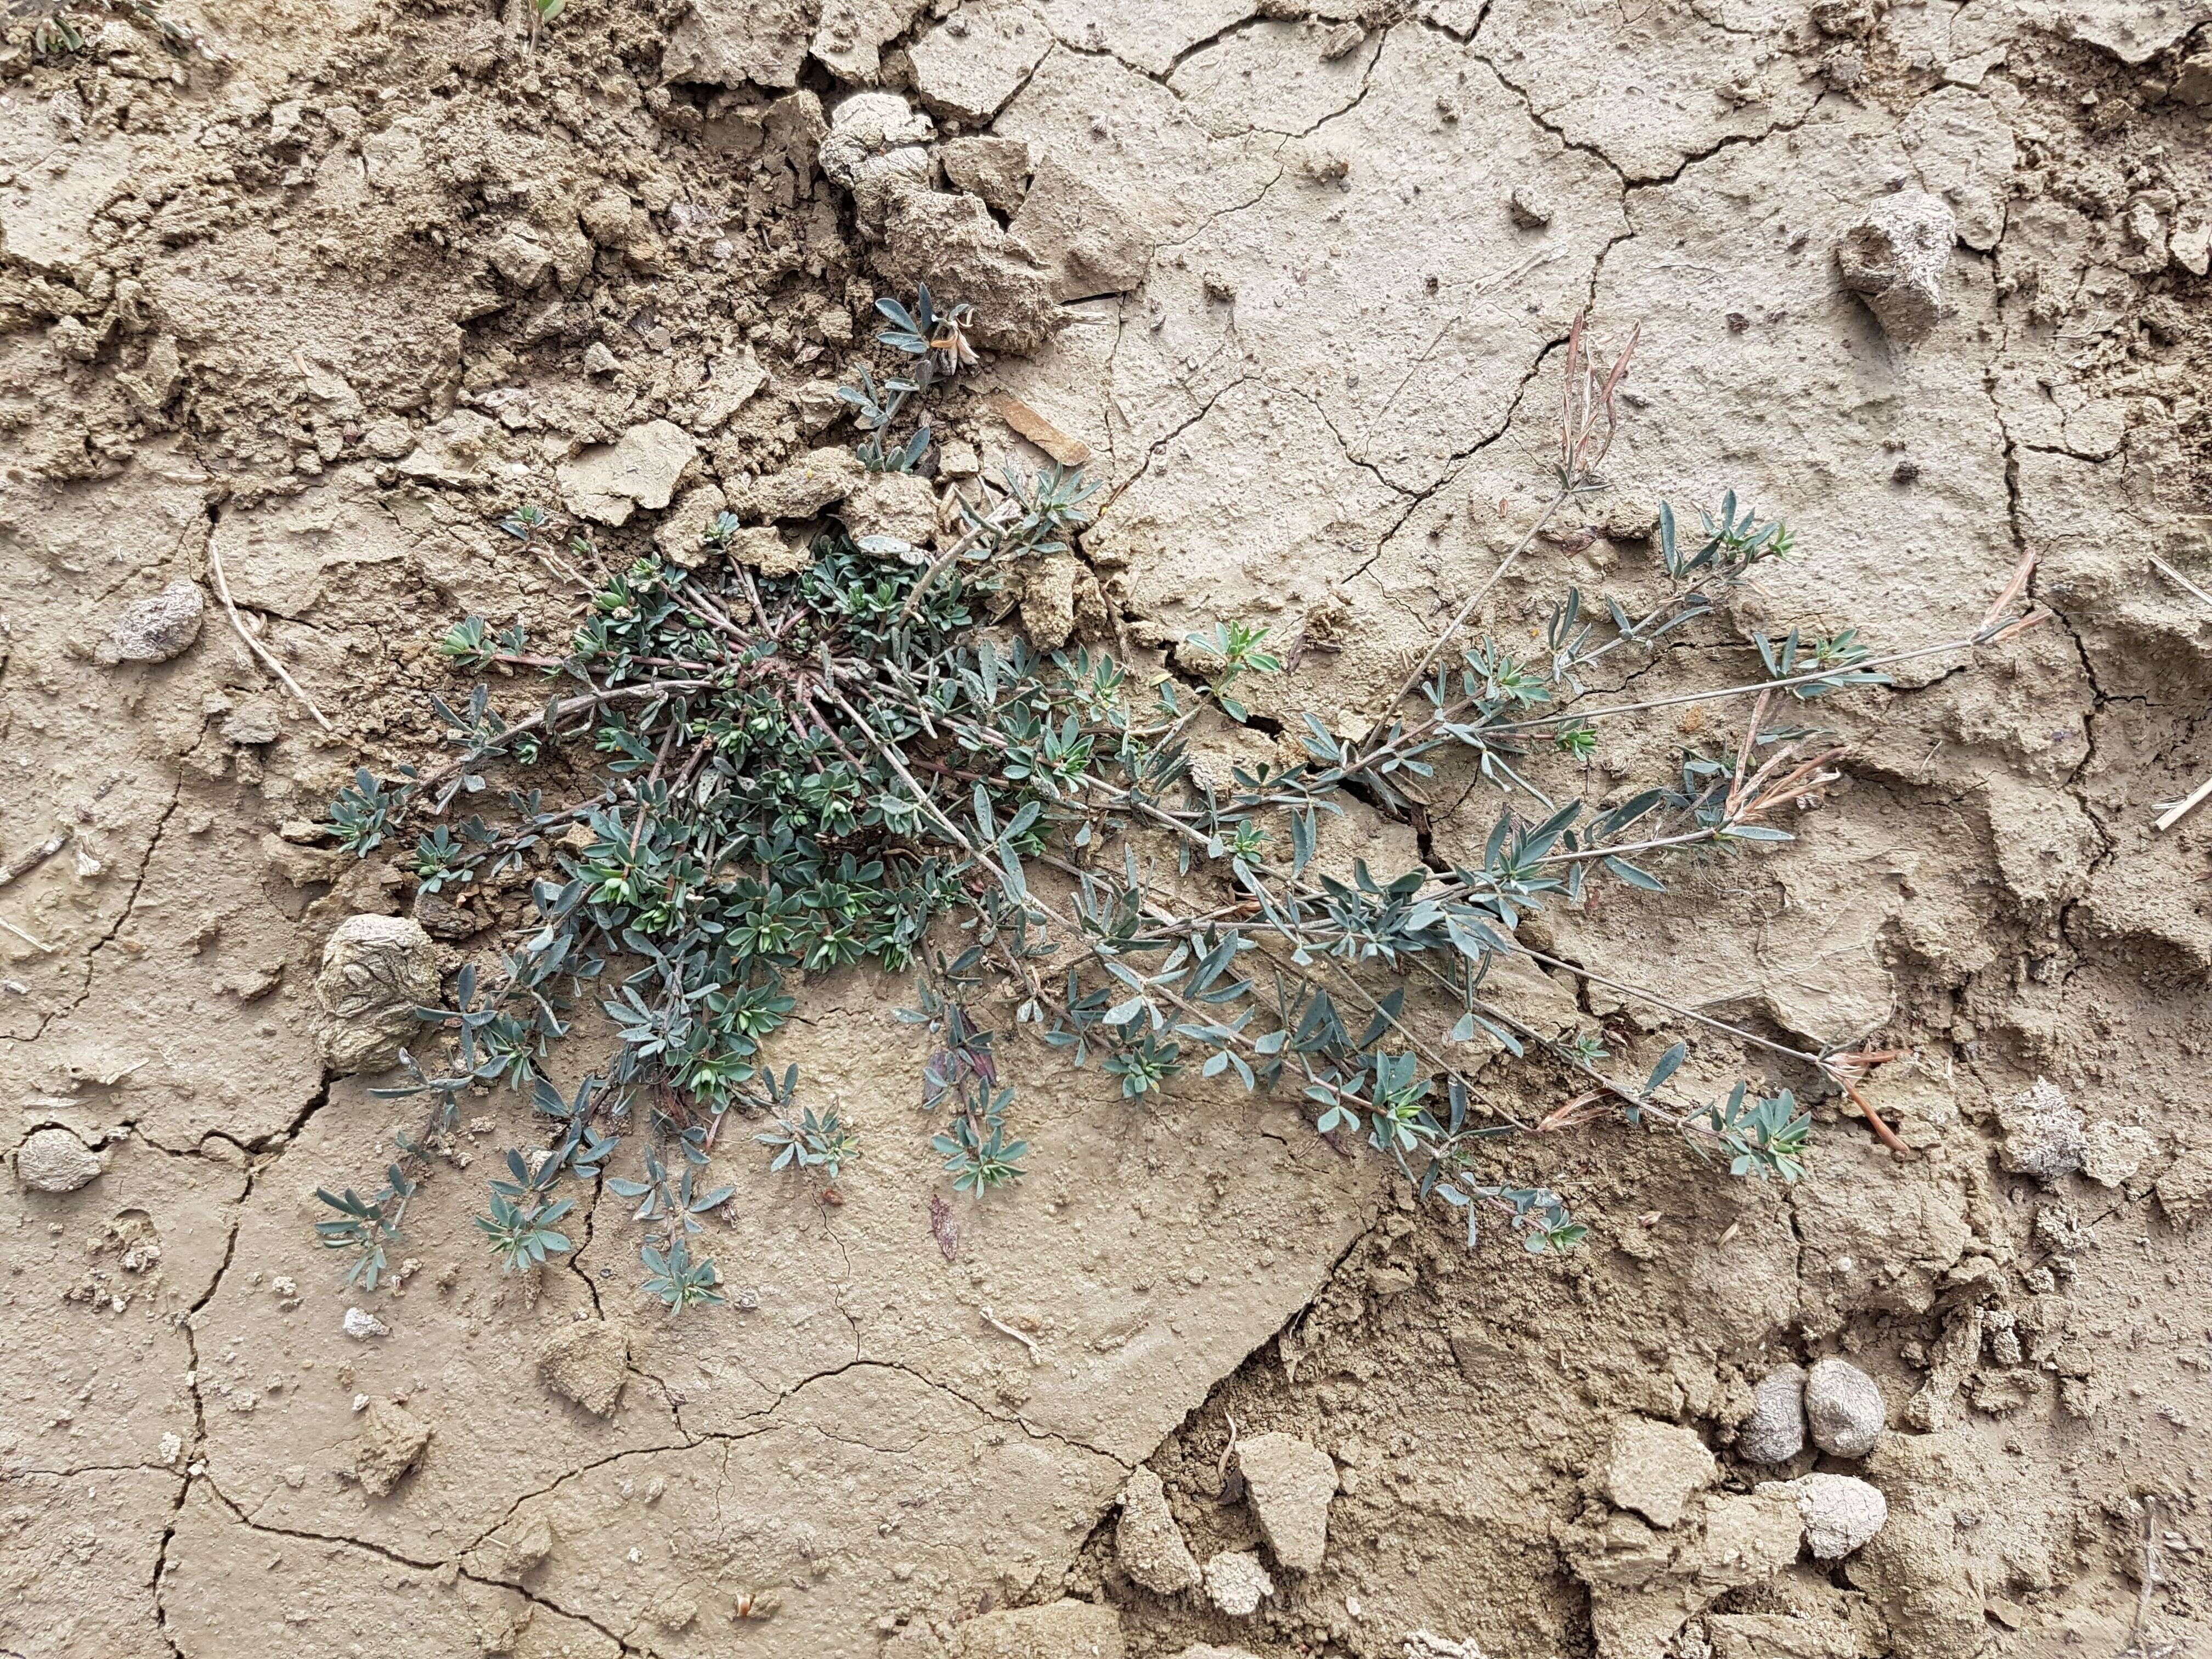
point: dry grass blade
(262, 651)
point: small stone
(1894, 259)
(392, 1444)
(376, 972)
(1840, 1511)
(1342, 41)
(764, 547)
(959, 460)
(56, 1161)
(598, 359)
(1146, 1540)
(520, 255)
(456, 450)
(387, 437)
(682, 535)
(586, 1361)
(2184, 1187)
(1775, 1431)
(2042, 1133)
(1048, 602)
(1290, 1482)
(1530, 207)
(157, 628)
(531, 1542)
(1654, 1467)
(1844, 1408)
(1235, 1581)
(361, 1325)
(441, 918)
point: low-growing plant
(739, 780)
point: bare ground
(319, 312)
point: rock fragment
(2111, 1153)
(875, 150)
(1894, 259)
(1290, 1482)
(608, 482)
(252, 725)
(682, 535)
(527, 1549)
(1062, 1630)
(1235, 1582)
(2042, 1133)
(1654, 1467)
(1840, 1512)
(1148, 1542)
(453, 451)
(362, 1325)
(763, 547)
(376, 972)
(1048, 602)
(898, 504)
(393, 1441)
(158, 628)
(586, 1361)
(1845, 1408)
(53, 1160)
(1775, 1431)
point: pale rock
(393, 1441)
(959, 460)
(1844, 1406)
(1654, 1469)
(1840, 1512)
(2190, 245)
(899, 505)
(817, 406)
(800, 490)
(977, 58)
(608, 482)
(611, 219)
(1775, 1432)
(599, 361)
(156, 381)
(2043, 1134)
(453, 451)
(376, 971)
(728, 43)
(1060, 1630)
(682, 535)
(1148, 1542)
(2111, 1153)
(527, 1550)
(1290, 1482)
(1235, 1582)
(387, 438)
(1089, 242)
(53, 1160)
(158, 628)
(362, 1326)
(1895, 257)
(586, 1361)
(996, 169)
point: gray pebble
(1840, 1513)
(157, 628)
(1775, 1431)
(56, 1161)
(1844, 1408)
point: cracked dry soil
(324, 309)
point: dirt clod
(1236, 1582)
(1841, 1513)
(1060, 1630)
(1146, 1540)
(1289, 1483)
(391, 1443)
(1655, 1468)
(1894, 259)
(586, 1362)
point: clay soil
(304, 315)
